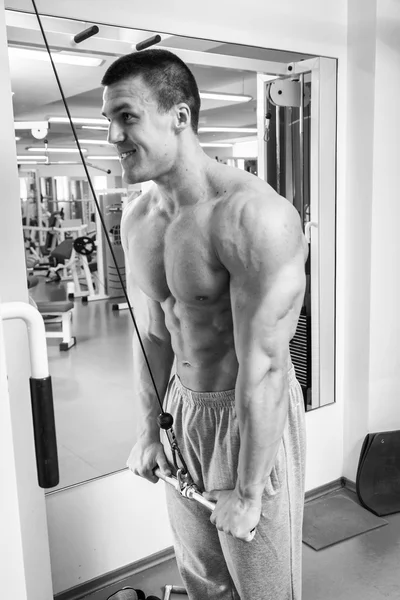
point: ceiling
(217, 68)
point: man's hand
(146, 455)
(233, 514)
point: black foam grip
(155, 39)
(44, 430)
(85, 34)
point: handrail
(41, 391)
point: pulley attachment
(84, 245)
(165, 421)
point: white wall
(372, 242)
(312, 26)
(355, 228)
(384, 381)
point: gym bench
(59, 312)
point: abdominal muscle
(202, 340)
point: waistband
(223, 398)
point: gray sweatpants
(214, 565)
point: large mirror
(262, 111)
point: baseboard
(350, 485)
(94, 585)
(323, 490)
(328, 488)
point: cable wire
(97, 205)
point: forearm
(160, 356)
(262, 413)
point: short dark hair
(169, 78)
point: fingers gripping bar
(191, 492)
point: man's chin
(131, 177)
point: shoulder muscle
(257, 233)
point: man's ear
(183, 117)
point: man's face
(144, 137)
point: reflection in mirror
(70, 272)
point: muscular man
(216, 278)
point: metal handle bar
(191, 493)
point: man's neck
(189, 181)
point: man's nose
(115, 133)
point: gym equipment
(71, 257)
(173, 589)
(378, 473)
(61, 254)
(85, 34)
(155, 39)
(188, 489)
(59, 312)
(32, 281)
(41, 392)
(111, 202)
(84, 245)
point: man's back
(173, 259)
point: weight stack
(111, 204)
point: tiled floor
(92, 388)
(366, 567)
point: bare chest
(176, 258)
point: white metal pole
(261, 127)
(301, 142)
(36, 334)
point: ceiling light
(54, 150)
(31, 124)
(94, 127)
(103, 157)
(30, 162)
(101, 142)
(216, 145)
(58, 57)
(227, 130)
(78, 120)
(17, 139)
(26, 157)
(226, 97)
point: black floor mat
(335, 518)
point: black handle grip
(85, 34)
(44, 430)
(155, 39)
